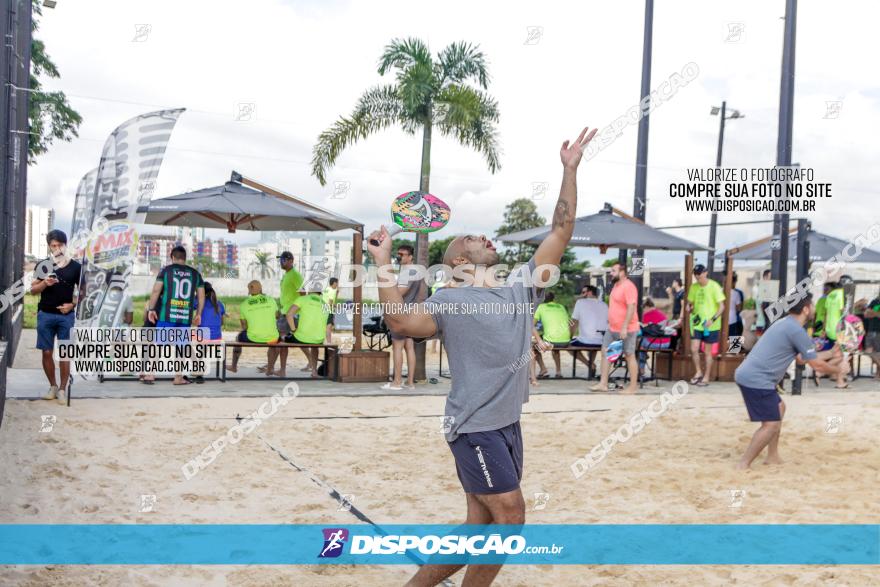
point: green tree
(428, 93)
(49, 114)
(437, 249)
(520, 214)
(263, 263)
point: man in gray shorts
(400, 342)
(485, 325)
(623, 324)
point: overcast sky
(303, 64)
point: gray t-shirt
(487, 336)
(768, 360)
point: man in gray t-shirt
(485, 325)
(785, 341)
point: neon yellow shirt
(554, 319)
(312, 324)
(819, 321)
(259, 313)
(707, 301)
(329, 296)
(290, 284)
(834, 303)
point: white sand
(102, 455)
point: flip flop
(148, 382)
(701, 383)
(599, 387)
(695, 380)
(543, 375)
(391, 387)
(185, 382)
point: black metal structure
(779, 268)
(802, 271)
(15, 66)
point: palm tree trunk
(422, 241)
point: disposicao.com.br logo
(393, 544)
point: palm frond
(416, 85)
(469, 116)
(377, 109)
(459, 62)
(403, 54)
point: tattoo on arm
(562, 215)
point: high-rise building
(38, 222)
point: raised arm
(416, 322)
(550, 251)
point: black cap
(285, 255)
(698, 269)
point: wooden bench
(331, 356)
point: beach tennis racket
(850, 332)
(416, 212)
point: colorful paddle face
(850, 332)
(417, 212)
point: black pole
(784, 140)
(640, 192)
(802, 269)
(713, 223)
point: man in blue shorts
(783, 342)
(56, 283)
(489, 354)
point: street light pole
(710, 262)
(640, 193)
(779, 268)
(713, 223)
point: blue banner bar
(557, 544)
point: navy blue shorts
(710, 338)
(827, 345)
(491, 461)
(762, 404)
(51, 326)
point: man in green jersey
(331, 292)
(555, 330)
(291, 281)
(312, 324)
(173, 299)
(706, 303)
(819, 319)
(259, 314)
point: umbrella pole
(358, 258)
(685, 312)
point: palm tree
(428, 93)
(262, 262)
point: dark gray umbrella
(609, 231)
(233, 206)
(822, 248)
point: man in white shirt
(590, 320)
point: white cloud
(304, 64)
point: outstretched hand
(379, 245)
(571, 154)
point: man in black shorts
(489, 353)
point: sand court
(387, 457)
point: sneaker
(52, 393)
(61, 398)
